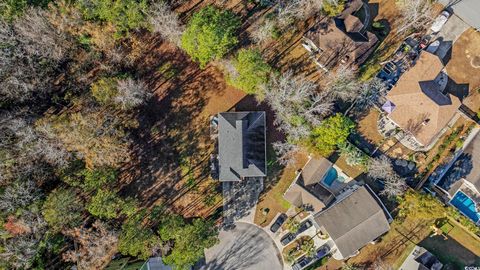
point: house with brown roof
(349, 214)
(343, 39)
(419, 105)
(306, 191)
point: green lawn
(458, 250)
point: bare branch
(165, 22)
(131, 93)
(415, 14)
(286, 152)
(296, 104)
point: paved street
(246, 247)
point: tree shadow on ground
(171, 127)
(451, 253)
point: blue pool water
(330, 177)
(466, 205)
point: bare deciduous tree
(415, 14)
(286, 152)
(165, 22)
(296, 103)
(395, 186)
(342, 83)
(20, 73)
(21, 249)
(18, 194)
(262, 32)
(379, 264)
(24, 146)
(381, 168)
(39, 37)
(371, 92)
(97, 245)
(131, 93)
(289, 11)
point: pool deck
(337, 186)
(466, 205)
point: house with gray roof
(357, 218)
(421, 259)
(241, 145)
(460, 186)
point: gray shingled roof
(466, 166)
(354, 221)
(471, 154)
(241, 145)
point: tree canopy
(136, 239)
(250, 71)
(63, 209)
(330, 133)
(125, 15)
(105, 204)
(333, 7)
(189, 240)
(210, 34)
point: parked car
(304, 226)
(278, 223)
(323, 251)
(424, 41)
(302, 262)
(440, 21)
(287, 238)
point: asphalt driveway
(246, 247)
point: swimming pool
(466, 205)
(333, 175)
(330, 177)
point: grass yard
(459, 250)
(464, 67)
(352, 171)
(367, 127)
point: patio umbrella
(388, 106)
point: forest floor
(172, 146)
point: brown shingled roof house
(343, 39)
(306, 191)
(352, 217)
(419, 105)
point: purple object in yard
(388, 106)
